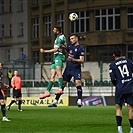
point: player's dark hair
(117, 52)
(58, 28)
(74, 35)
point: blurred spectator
(9, 76)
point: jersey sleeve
(132, 67)
(112, 74)
(63, 40)
(60, 40)
(81, 51)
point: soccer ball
(73, 16)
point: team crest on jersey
(82, 53)
(76, 50)
(70, 51)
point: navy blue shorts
(1, 96)
(124, 98)
(68, 74)
(17, 93)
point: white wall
(92, 67)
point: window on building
(107, 19)
(82, 24)
(47, 26)
(2, 33)
(130, 18)
(103, 53)
(1, 6)
(21, 7)
(8, 54)
(35, 1)
(130, 52)
(47, 57)
(87, 55)
(35, 56)
(21, 29)
(73, 1)
(35, 27)
(10, 30)
(10, 6)
(47, 1)
(21, 52)
(60, 20)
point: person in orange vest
(16, 83)
(9, 76)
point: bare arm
(5, 85)
(48, 51)
(80, 60)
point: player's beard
(74, 43)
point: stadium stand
(56, 84)
(96, 83)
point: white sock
(119, 128)
(55, 101)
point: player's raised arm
(49, 51)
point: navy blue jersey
(1, 79)
(1, 75)
(1, 83)
(74, 52)
(121, 73)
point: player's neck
(116, 58)
(76, 44)
(59, 34)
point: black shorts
(17, 93)
(68, 74)
(1, 96)
(124, 98)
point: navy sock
(79, 92)
(58, 95)
(131, 122)
(3, 110)
(19, 104)
(13, 101)
(119, 120)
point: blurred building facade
(26, 26)
(13, 30)
(102, 26)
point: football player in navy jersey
(73, 69)
(2, 96)
(121, 73)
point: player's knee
(2, 102)
(78, 82)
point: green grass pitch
(71, 119)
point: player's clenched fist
(70, 58)
(41, 50)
